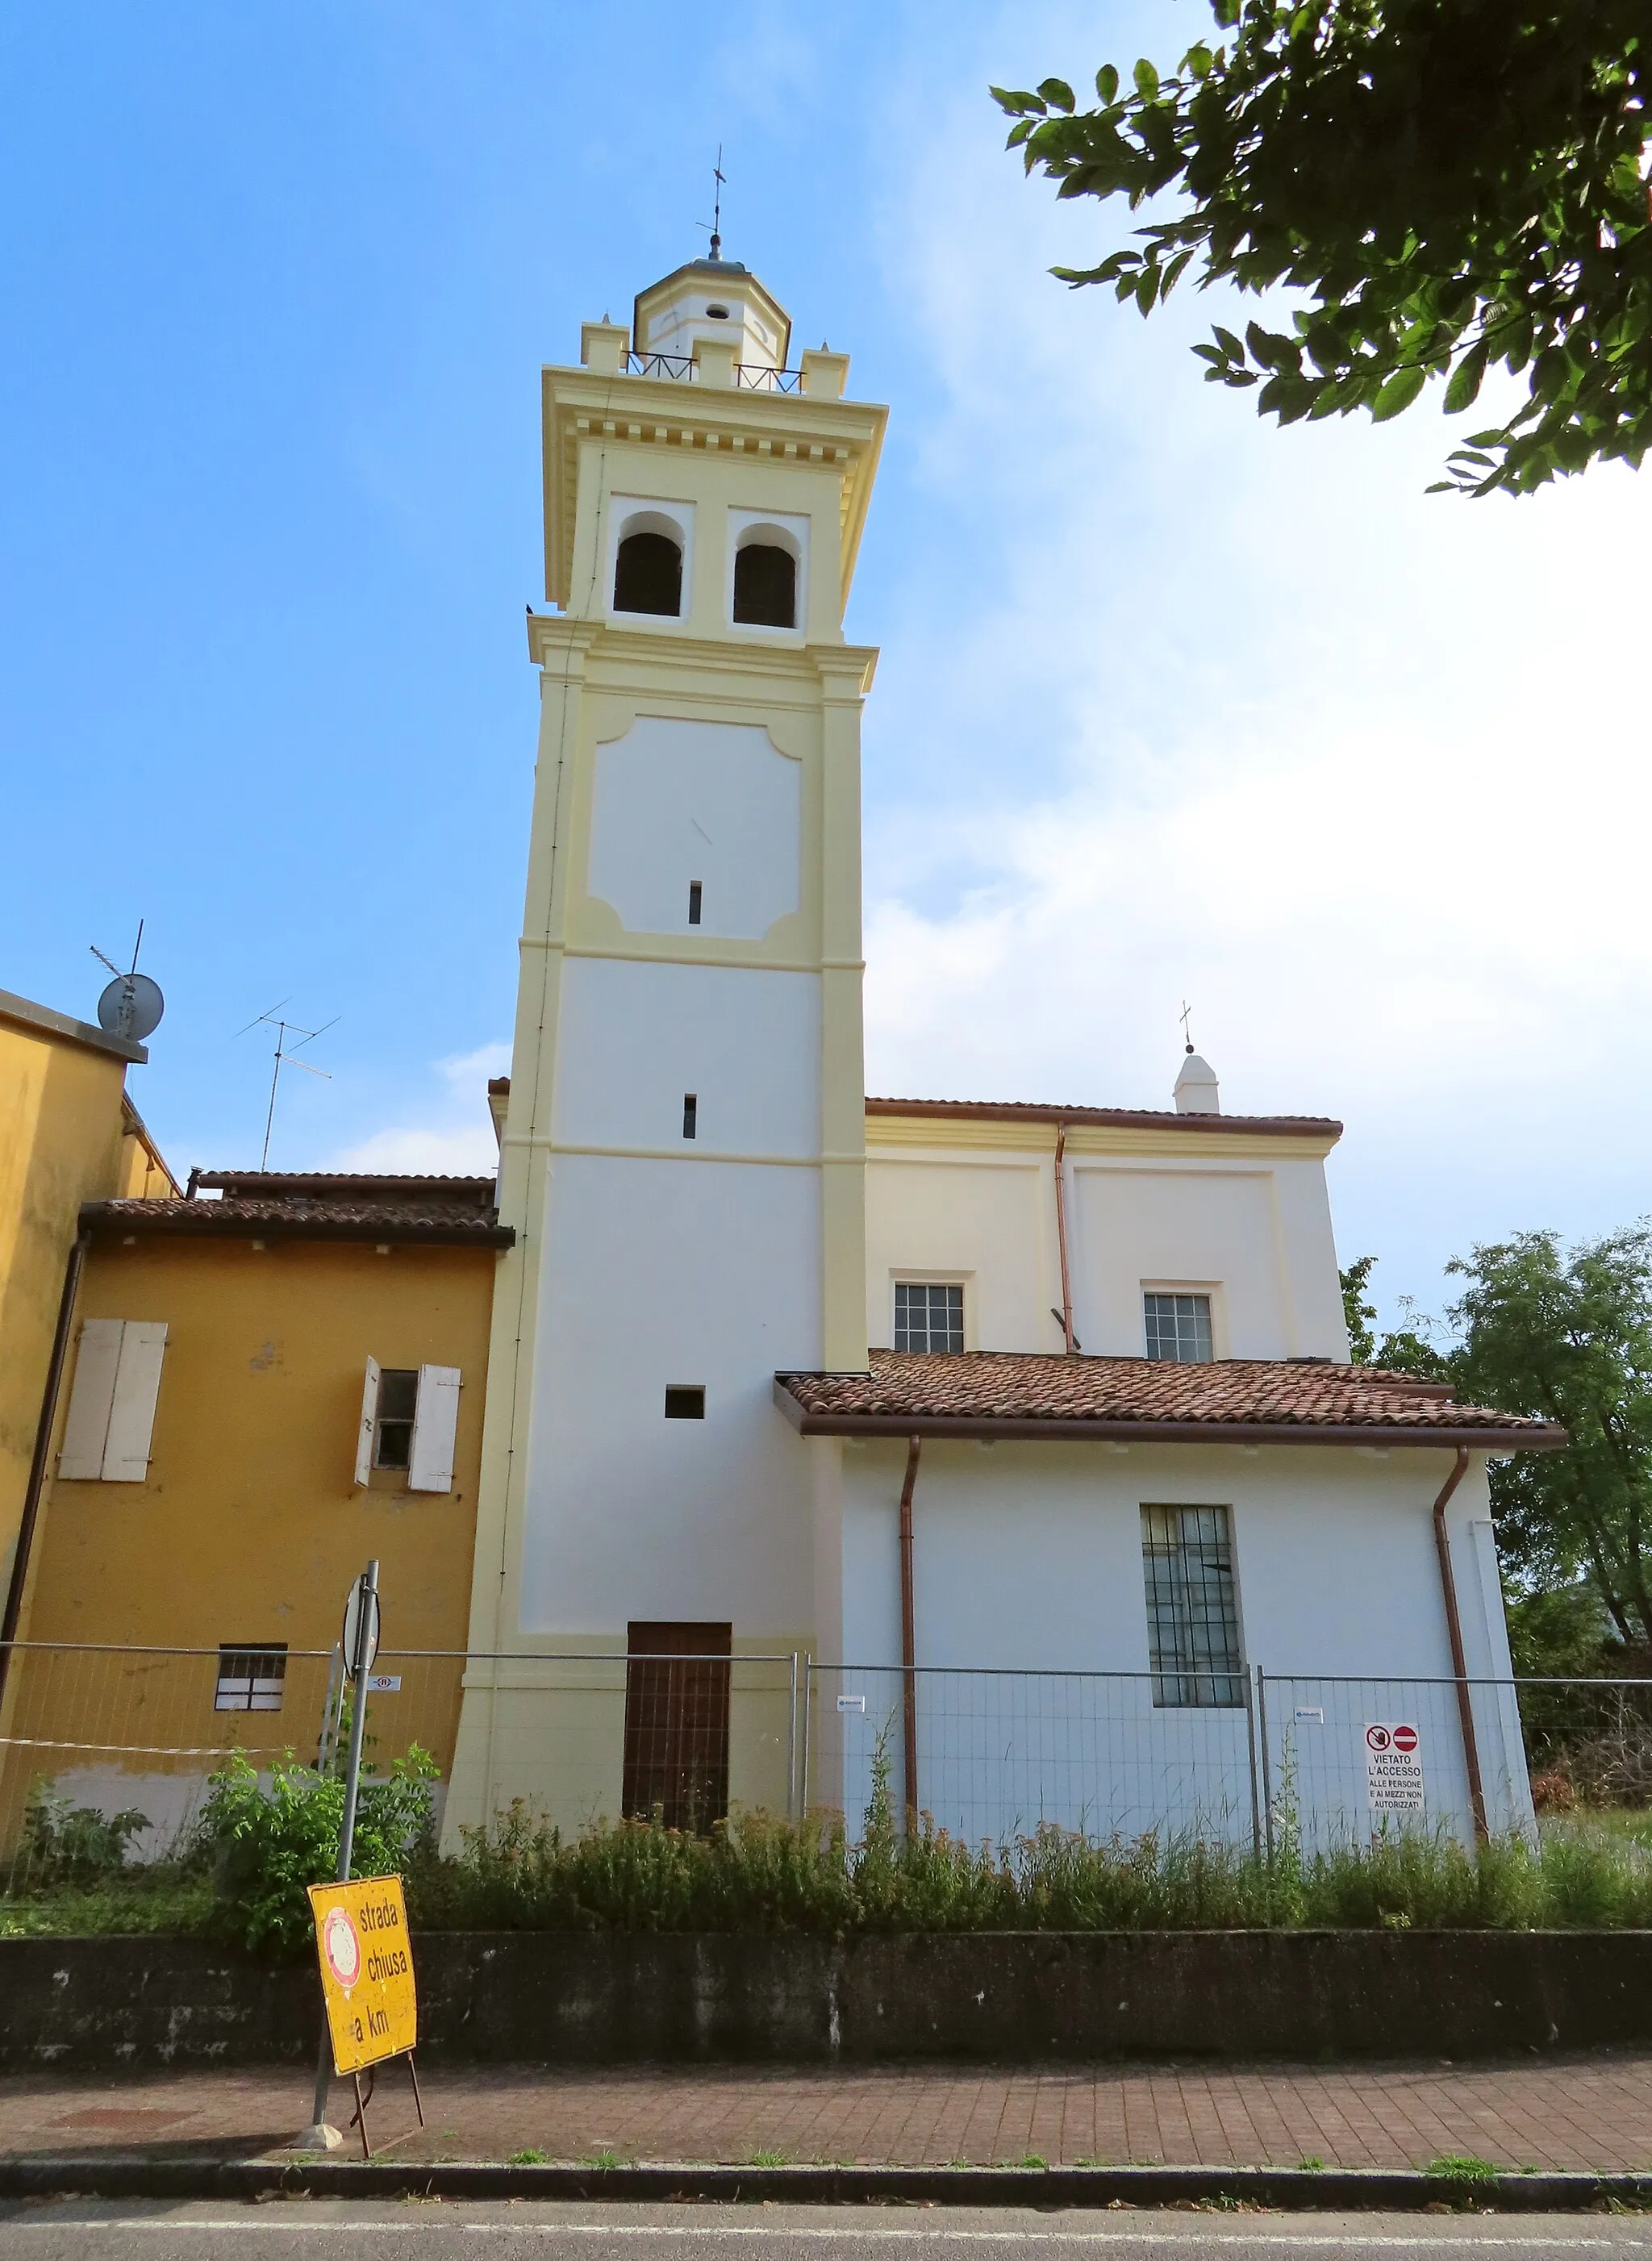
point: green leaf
(1146, 80)
(1107, 82)
(1016, 103)
(1056, 93)
(1466, 379)
(1228, 342)
(1146, 289)
(1197, 61)
(1398, 393)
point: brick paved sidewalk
(1586, 2111)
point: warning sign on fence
(1393, 1767)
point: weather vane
(1187, 1036)
(720, 181)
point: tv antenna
(285, 1057)
(1185, 1015)
(720, 181)
(130, 1005)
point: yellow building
(68, 1134)
(267, 1388)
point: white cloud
(1176, 704)
(453, 1136)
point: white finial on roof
(1198, 1092)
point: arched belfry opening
(765, 584)
(647, 573)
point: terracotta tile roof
(346, 1186)
(1035, 1395)
(290, 1205)
(1140, 1118)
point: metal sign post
(360, 1646)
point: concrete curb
(115, 2175)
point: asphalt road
(432, 2231)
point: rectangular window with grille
(1178, 1328)
(1192, 1621)
(250, 1679)
(676, 1689)
(929, 1315)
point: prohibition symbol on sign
(1393, 1767)
(341, 1947)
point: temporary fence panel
(1346, 1759)
(579, 1738)
(1001, 1754)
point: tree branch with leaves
(1451, 186)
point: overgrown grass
(256, 1850)
(754, 1874)
(159, 1898)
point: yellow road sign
(367, 1973)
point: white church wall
(1028, 1557)
(678, 801)
(659, 1272)
(636, 1036)
(1170, 1224)
(981, 1221)
(1255, 1235)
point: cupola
(1196, 1089)
(707, 300)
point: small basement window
(685, 1400)
(1178, 1327)
(929, 1315)
(250, 1679)
(648, 575)
(393, 1424)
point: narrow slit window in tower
(694, 902)
(648, 575)
(691, 1110)
(766, 586)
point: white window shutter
(86, 1431)
(436, 1422)
(131, 1415)
(369, 1415)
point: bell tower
(684, 1150)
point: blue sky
(1172, 705)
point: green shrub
(65, 1844)
(268, 1845)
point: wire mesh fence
(131, 1737)
(94, 1730)
(997, 1755)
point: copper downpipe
(908, 1638)
(1454, 1625)
(1060, 1235)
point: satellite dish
(131, 1006)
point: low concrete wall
(537, 1997)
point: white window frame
(905, 1276)
(793, 533)
(1212, 1289)
(431, 1454)
(650, 514)
(255, 1688)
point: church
(754, 1442)
(1033, 1425)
